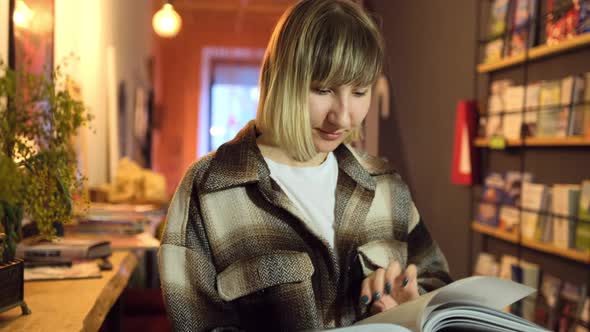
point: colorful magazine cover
(495, 47)
(583, 16)
(523, 28)
(491, 198)
(562, 20)
(497, 18)
(509, 212)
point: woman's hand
(385, 289)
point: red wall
(177, 79)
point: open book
(470, 304)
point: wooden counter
(71, 305)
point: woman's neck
(280, 156)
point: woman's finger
(366, 295)
(378, 284)
(411, 273)
(402, 279)
(393, 270)
(406, 285)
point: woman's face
(334, 112)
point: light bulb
(166, 21)
(22, 15)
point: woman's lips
(330, 136)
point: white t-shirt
(313, 191)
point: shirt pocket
(380, 253)
(271, 292)
(250, 275)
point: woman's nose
(340, 112)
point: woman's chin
(323, 146)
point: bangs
(346, 52)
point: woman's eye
(321, 91)
(360, 93)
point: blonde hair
(325, 42)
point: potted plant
(38, 166)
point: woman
(287, 227)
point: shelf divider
(537, 52)
(573, 254)
(540, 141)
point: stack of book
(63, 258)
(115, 219)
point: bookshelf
(537, 52)
(576, 255)
(550, 160)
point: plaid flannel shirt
(237, 254)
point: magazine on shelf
(583, 17)
(522, 29)
(491, 198)
(532, 103)
(509, 211)
(546, 306)
(550, 119)
(583, 323)
(566, 198)
(570, 305)
(486, 265)
(514, 117)
(493, 125)
(526, 273)
(495, 107)
(583, 227)
(534, 200)
(470, 304)
(559, 24)
(495, 47)
(586, 107)
(575, 126)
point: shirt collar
(240, 161)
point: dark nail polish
(377, 296)
(388, 287)
(405, 282)
(364, 299)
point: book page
(490, 292)
(485, 291)
(372, 328)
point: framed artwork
(33, 35)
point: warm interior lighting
(166, 21)
(22, 14)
